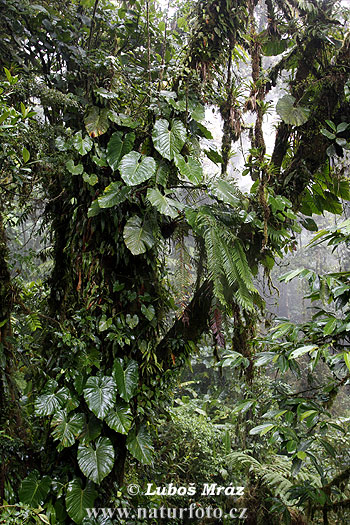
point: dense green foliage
(107, 159)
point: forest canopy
(167, 172)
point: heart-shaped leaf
(118, 146)
(67, 428)
(191, 170)
(291, 114)
(79, 499)
(138, 235)
(96, 460)
(96, 121)
(127, 380)
(82, 144)
(169, 140)
(34, 489)
(100, 394)
(136, 168)
(51, 400)
(120, 419)
(74, 169)
(140, 446)
(163, 204)
(114, 194)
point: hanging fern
(226, 259)
(275, 477)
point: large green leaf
(82, 144)
(163, 204)
(96, 121)
(66, 427)
(96, 460)
(100, 393)
(74, 169)
(119, 419)
(169, 141)
(191, 170)
(127, 380)
(79, 499)
(138, 235)
(51, 400)
(114, 194)
(34, 489)
(225, 192)
(92, 429)
(136, 168)
(291, 114)
(123, 120)
(140, 445)
(118, 146)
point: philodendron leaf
(119, 419)
(79, 499)
(168, 140)
(118, 146)
(67, 427)
(291, 114)
(127, 379)
(51, 400)
(82, 144)
(114, 194)
(74, 169)
(96, 460)
(136, 168)
(138, 235)
(191, 170)
(226, 192)
(100, 394)
(140, 445)
(96, 121)
(163, 204)
(34, 489)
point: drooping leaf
(96, 460)
(126, 379)
(164, 204)
(100, 394)
(96, 121)
(191, 170)
(140, 445)
(136, 168)
(213, 155)
(330, 326)
(25, 155)
(262, 429)
(94, 209)
(34, 489)
(138, 235)
(82, 144)
(92, 429)
(66, 427)
(79, 499)
(168, 141)
(114, 149)
(118, 146)
(51, 400)
(114, 194)
(119, 419)
(302, 350)
(291, 114)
